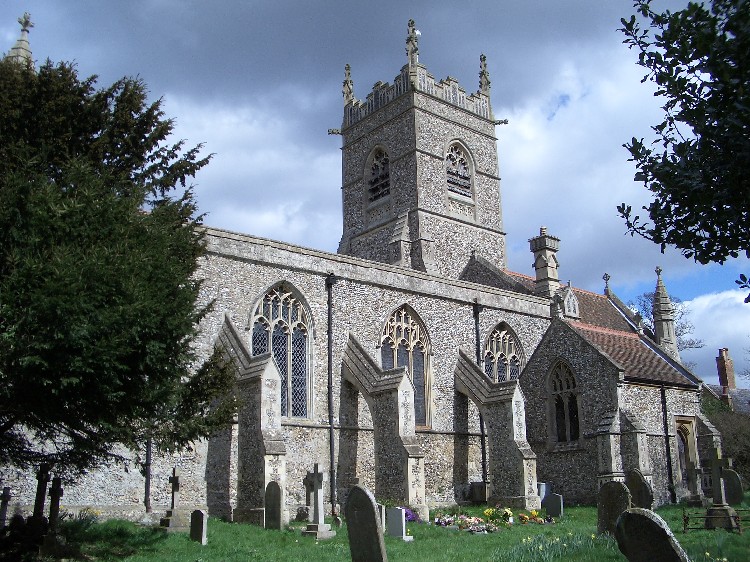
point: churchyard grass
(571, 538)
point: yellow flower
(593, 536)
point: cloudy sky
(259, 83)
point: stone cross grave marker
(173, 521)
(317, 526)
(719, 514)
(613, 499)
(641, 492)
(364, 527)
(199, 526)
(732, 487)
(55, 493)
(4, 502)
(307, 482)
(42, 479)
(643, 536)
(396, 523)
(273, 506)
(554, 505)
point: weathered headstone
(381, 514)
(641, 492)
(396, 523)
(4, 502)
(363, 526)
(732, 486)
(317, 527)
(720, 515)
(643, 536)
(199, 526)
(613, 499)
(273, 505)
(554, 505)
(543, 489)
(173, 521)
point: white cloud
(720, 320)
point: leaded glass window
(379, 182)
(503, 359)
(564, 400)
(458, 171)
(405, 343)
(280, 325)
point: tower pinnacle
(663, 314)
(21, 53)
(412, 45)
(348, 87)
(484, 76)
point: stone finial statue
(484, 76)
(21, 53)
(412, 45)
(348, 87)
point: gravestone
(641, 492)
(613, 499)
(732, 486)
(720, 515)
(55, 493)
(554, 505)
(317, 527)
(273, 506)
(543, 489)
(173, 521)
(364, 527)
(643, 536)
(381, 514)
(309, 485)
(4, 502)
(36, 526)
(199, 526)
(396, 523)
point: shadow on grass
(116, 539)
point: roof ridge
(602, 329)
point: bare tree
(682, 326)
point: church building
(413, 361)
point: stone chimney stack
(545, 248)
(725, 366)
(663, 313)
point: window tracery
(503, 358)
(404, 343)
(458, 171)
(379, 182)
(564, 404)
(280, 325)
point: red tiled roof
(631, 352)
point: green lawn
(571, 538)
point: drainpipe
(478, 349)
(330, 280)
(670, 476)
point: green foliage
(697, 167)
(735, 438)
(98, 290)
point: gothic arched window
(458, 170)
(280, 325)
(379, 178)
(405, 343)
(503, 358)
(564, 405)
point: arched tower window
(458, 170)
(404, 343)
(503, 357)
(378, 175)
(281, 325)
(564, 406)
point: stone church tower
(420, 171)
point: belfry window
(564, 405)
(503, 359)
(405, 343)
(379, 182)
(458, 171)
(280, 326)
